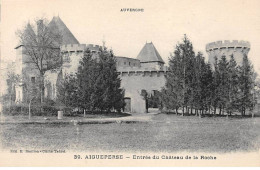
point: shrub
(22, 109)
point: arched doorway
(127, 107)
(154, 99)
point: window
(124, 63)
(129, 63)
(33, 79)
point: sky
(163, 22)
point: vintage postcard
(130, 83)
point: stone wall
(135, 76)
(73, 53)
(152, 65)
(135, 81)
(18, 61)
(50, 83)
(27, 71)
(19, 93)
(127, 62)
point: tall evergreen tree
(202, 86)
(86, 77)
(179, 79)
(113, 95)
(232, 103)
(216, 85)
(192, 83)
(172, 93)
(206, 85)
(246, 84)
(67, 92)
(224, 84)
(99, 82)
(197, 82)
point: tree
(41, 48)
(99, 82)
(154, 100)
(201, 84)
(197, 82)
(178, 88)
(11, 81)
(216, 85)
(246, 86)
(224, 83)
(113, 96)
(232, 103)
(67, 92)
(86, 77)
(208, 87)
(32, 93)
(172, 95)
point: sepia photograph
(130, 83)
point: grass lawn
(166, 133)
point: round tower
(227, 48)
(71, 55)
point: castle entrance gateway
(141, 77)
(135, 82)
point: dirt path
(75, 120)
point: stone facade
(135, 81)
(125, 62)
(146, 72)
(26, 70)
(72, 54)
(135, 75)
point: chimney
(39, 26)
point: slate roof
(67, 36)
(149, 54)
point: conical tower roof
(67, 36)
(149, 54)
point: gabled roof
(67, 36)
(149, 54)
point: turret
(227, 48)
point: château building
(145, 72)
